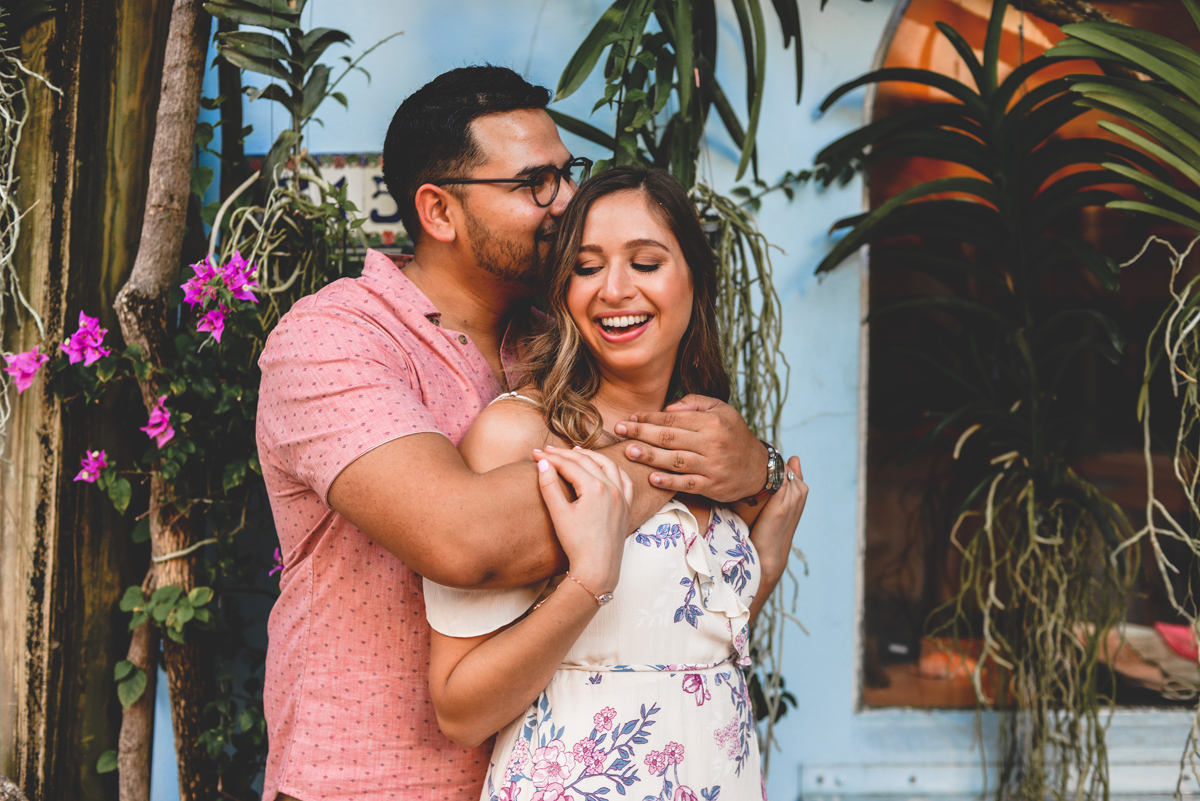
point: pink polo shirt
(358, 364)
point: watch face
(605, 598)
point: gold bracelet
(601, 600)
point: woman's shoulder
(505, 432)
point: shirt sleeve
(334, 386)
(470, 613)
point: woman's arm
(772, 533)
(479, 684)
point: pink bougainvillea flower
(87, 343)
(214, 321)
(23, 366)
(278, 568)
(238, 276)
(158, 428)
(93, 462)
(198, 289)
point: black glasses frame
(532, 181)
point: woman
(591, 696)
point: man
(367, 388)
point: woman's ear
(436, 210)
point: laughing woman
(624, 674)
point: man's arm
(418, 498)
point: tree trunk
(137, 724)
(141, 307)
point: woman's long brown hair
(558, 363)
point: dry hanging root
(1174, 345)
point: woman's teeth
(626, 321)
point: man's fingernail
(620, 429)
(656, 478)
(633, 417)
(543, 465)
(635, 451)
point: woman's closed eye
(646, 268)
(587, 269)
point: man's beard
(508, 259)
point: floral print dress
(650, 702)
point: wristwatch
(775, 473)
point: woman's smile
(623, 327)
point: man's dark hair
(430, 135)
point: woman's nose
(618, 284)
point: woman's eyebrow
(638, 243)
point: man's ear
(437, 211)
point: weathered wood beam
(65, 554)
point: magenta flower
(158, 428)
(214, 321)
(673, 753)
(685, 793)
(93, 462)
(198, 289)
(278, 568)
(23, 366)
(238, 276)
(87, 343)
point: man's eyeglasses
(544, 183)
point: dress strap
(514, 394)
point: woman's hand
(773, 531)
(592, 528)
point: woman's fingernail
(537, 450)
(543, 465)
(549, 447)
(576, 448)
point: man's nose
(566, 191)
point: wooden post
(65, 555)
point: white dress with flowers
(650, 702)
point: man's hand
(704, 443)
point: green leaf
(788, 12)
(133, 351)
(991, 47)
(176, 635)
(235, 473)
(199, 596)
(119, 493)
(1156, 185)
(584, 60)
(755, 46)
(966, 54)
(107, 762)
(582, 129)
(972, 104)
(122, 669)
(313, 46)
(106, 368)
(863, 230)
(1158, 211)
(203, 615)
(314, 91)
(201, 178)
(203, 135)
(1191, 171)
(268, 67)
(684, 57)
(245, 16)
(1115, 42)
(262, 46)
(130, 690)
(132, 599)
(166, 596)
(141, 530)
(272, 91)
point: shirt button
(462, 338)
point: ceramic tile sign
(362, 175)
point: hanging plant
(1161, 117)
(1045, 571)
